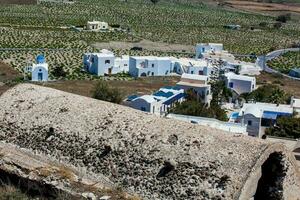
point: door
(109, 71)
(40, 76)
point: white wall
(205, 48)
(241, 86)
(39, 69)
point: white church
(39, 71)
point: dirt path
(145, 44)
(260, 6)
(7, 73)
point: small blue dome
(40, 59)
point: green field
(177, 21)
(286, 62)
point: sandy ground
(145, 44)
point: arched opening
(296, 153)
(143, 74)
(270, 184)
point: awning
(274, 115)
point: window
(192, 72)
(200, 72)
(107, 61)
(143, 109)
(152, 73)
(152, 65)
(148, 73)
(40, 70)
(231, 85)
(125, 65)
(249, 123)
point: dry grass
(140, 86)
(7, 74)
(288, 85)
(20, 2)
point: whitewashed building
(105, 63)
(39, 71)
(295, 103)
(199, 84)
(229, 127)
(97, 26)
(259, 116)
(194, 66)
(159, 102)
(150, 66)
(240, 83)
(211, 48)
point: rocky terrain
(154, 157)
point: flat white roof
(150, 58)
(194, 77)
(194, 62)
(150, 98)
(196, 85)
(257, 109)
(232, 75)
(210, 44)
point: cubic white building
(212, 48)
(194, 66)
(199, 84)
(97, 26)
(259, 116)
(105, 63)
(159, 102)
(240, 83)
(295, 103)
(150, 66)
(39, 71)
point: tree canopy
(285, 127)
(103, 91)
(269, 94)
(195, 108)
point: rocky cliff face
(154, 157)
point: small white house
(97, 26)
(208, 48)
(159, 102)
(259, 116)
(105, 63)
(39, 71)
(194, 66)
(199, 84)
(240, 83)
(295, 103)
(150, 66)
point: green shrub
(285, 127)
(104, 92)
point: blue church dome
(40, 59)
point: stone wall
(144, 154)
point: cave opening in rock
(270, 184)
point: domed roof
(40, 59)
